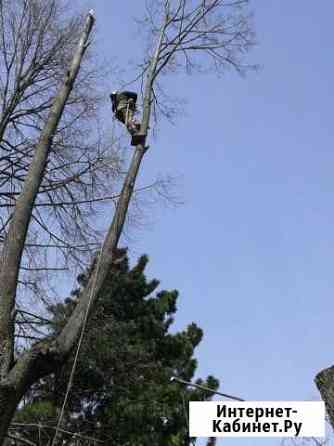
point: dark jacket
(122, 98)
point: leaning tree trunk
(14, 379)
(45, 356)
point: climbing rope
(75, 362)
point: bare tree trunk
(68, 336)
(11, 389)
(32, 365)
(44, 357)
(325, 383)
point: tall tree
(205, 34)
(16, 377)
(122, 391)
(37, 40)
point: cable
(206, 389)
(74, 366)
(198, 386)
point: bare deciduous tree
(12, 383)
(204, 36)
(36, 44)
(184, 34)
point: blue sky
(251, 250)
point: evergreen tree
(122, 391)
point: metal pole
(207, 389)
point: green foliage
(36, 412)
(122, 393)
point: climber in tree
(124, 107)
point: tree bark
(67, 338)
(45, 356)
(32, 365)
(11, 390)
(325, 383)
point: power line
(206, 389)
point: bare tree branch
(18, 227)
(55, 175)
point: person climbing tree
(186, 36)
(124, 108)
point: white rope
(75, 362)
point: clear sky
(251, 250)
